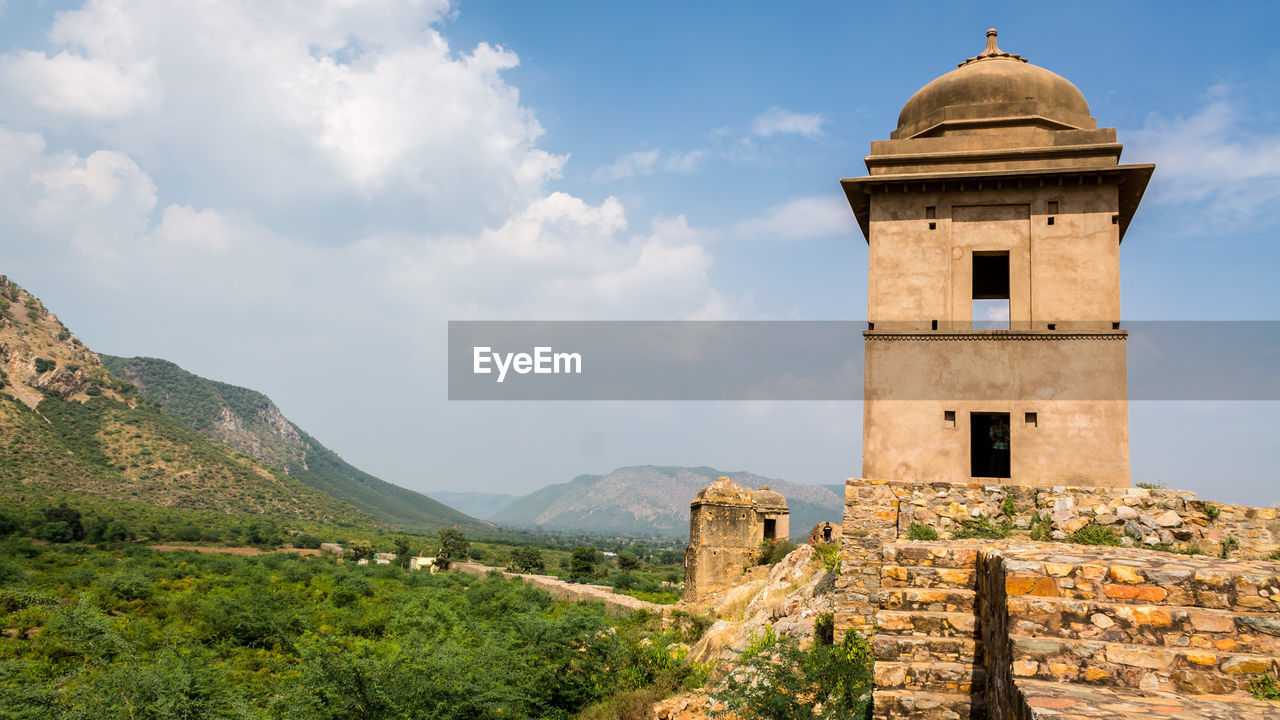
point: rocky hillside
(652, 500)
(68, 427)
(250, 422)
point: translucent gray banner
(792, 360)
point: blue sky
(297, 197)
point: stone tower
(997, 194)
(727, 523)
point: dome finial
(992, 51)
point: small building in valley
(727, 524)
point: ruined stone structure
(1015, 629)
(997, 185)
(727, 523)
(825, 532)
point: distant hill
(476, 504)
(69, 428)
(250, 422)
(652, 500)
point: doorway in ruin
(989, 445)
(770, 529)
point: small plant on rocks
(982, 528)
(1212, 512)
(1229, 545)
(1009, 506)
(1265, 687)
(1041, 528)
(1094, 534)
(920, 531)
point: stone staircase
(1135, 623)
(929, 662)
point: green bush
(920, 531)
(43, 365)
(1212, 511)
(824, 628)
(776, 680)
(771, 551)
(1009, 507)
(829, 554)
(1094, 534)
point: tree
(582, 563)
(68, 515)
(402, 552)
(360, 550)
(57, 532)
(527, 559)
(453, 546)
(627, 561)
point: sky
(297, 197)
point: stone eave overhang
(995, 335)
(1132, 180)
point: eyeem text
(541, 362)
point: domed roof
(766, 497)
(724, 490)
(994, 85)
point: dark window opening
(1032, 420)
(989, 445)
(1050, 219)
(990, 291)
(1115, 326)
(770, 529)
(933, 226)
(949, 418)
(933, 325)
(1053, 326)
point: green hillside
(250, 422)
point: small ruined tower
(993, 217)
(727, 523)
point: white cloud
(1211, 157)
(358, 105)
(777, 120)
(648, 162)
(805, 217)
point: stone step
(918, 648)
(1165, 669)
(935, 624)
(927, 577)
(917, 705)
(927, 599)
(1199, 628)
(1063, 701)
(954, 554)
(1113, 575)
(944, 677)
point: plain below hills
(648, 500)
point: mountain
(69, 429)
(652, 500)
(476, 504)
(250, 422)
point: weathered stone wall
(1173, 518)
(870, 520)
(723, 539)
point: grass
(920, 531)
(982, 528)
(829, 554)
(1265, 687)
(1041, 529)
(1009, 507)
(660, 597)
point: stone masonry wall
(1021, 630)
(1173, 518)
